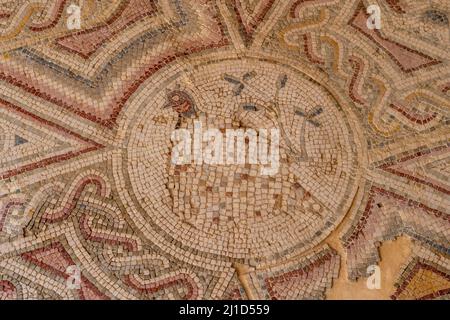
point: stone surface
(93, 207)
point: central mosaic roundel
(235, 210)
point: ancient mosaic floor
(91, 207)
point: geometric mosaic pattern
(86, 115)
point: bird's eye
(249, 107)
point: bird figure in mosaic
(181, 103)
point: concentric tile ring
(195, 205)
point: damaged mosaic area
(93, 207)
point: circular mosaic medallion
(290, 196)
